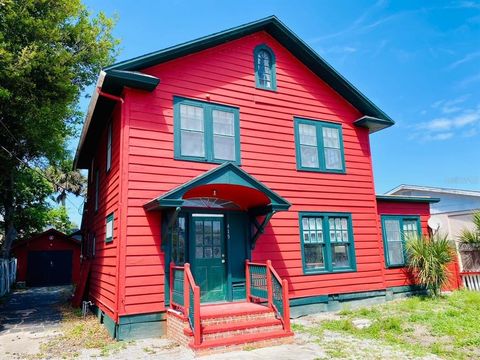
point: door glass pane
(216, 233)
(207, 252)
(217, 252)
(340, 255)
(199, 252)
(207, 237)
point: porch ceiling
(226, 182)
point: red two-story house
(231, 188)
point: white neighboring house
(452, 213)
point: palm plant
(65, 180)
(428, 259)
(472, 237)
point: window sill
(266, 89)
(323, 272)
(206, 161)
(321, 170)
(396, 266)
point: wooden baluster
(269, 284)
(286, 306)
(247, 280)
(171, 284)
(186, 290)
(196, 321)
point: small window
(319, 146)
(206, 132)
(265, 68)
(396, 230)
(109, 228)
(109, 147)
(94, 244)
(327, 242)
(97, 188)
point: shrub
(472, 237)
(428, 259)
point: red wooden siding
(400, 276)
(105, 266)
(225, 75)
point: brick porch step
(231, 326)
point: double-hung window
(319, 146)
(327, 242)
(396, 231)
(206, 132)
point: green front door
(208, 248)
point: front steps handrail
(189, 303)
(263, 283)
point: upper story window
(396, 230)
(319, 146)
(265, 69)
(327, 242)
(109, 147)
(206, 132)
(109, 228)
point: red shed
(47, 259)
(231, 170)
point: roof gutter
(88, 119)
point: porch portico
(213, 222)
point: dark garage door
(48, 268)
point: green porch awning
(225, 183)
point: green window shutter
(206, 132)
(327, 242)
(319, 146)
(109, 228)
(396, 229)
(265, 68)
(109, 147)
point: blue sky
(418, 61)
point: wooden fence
(8, 274)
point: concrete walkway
(28, 316)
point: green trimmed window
(265, 68)
(109, 147)
(109, 228)
(327, 242)
(396, 230)
(206, 132)
(319, 146)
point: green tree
(59, 220)
(49, 52)
(66, 180)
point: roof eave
(414, 199)
(373, 124)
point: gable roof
(38, 236)
(439, 190)
(228, 174)
(114, 77)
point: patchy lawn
(447, 327)
(77, 334)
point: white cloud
(465, 59)
(465, 122)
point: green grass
(448, 326)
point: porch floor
(231, 309)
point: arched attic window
(265, 73)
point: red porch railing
(264, 284)
(185, 297)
